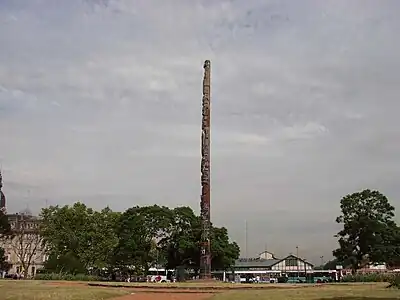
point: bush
(395, 281)
(67, 277)
(283, 279)
(374, 277)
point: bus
(248, 276)
(321, 276)
(311, 276)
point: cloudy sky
(100, 102)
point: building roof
(22, 217)
(266, 251)
(255, 262)
(263, 263)
(294, 256)
(269, 252)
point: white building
(24, 252)
(288, 264)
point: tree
(80, 234)
(4, 265)
(25, 241)
(5, 231)
(331, 265)
(368, 229)
(393, 247)
(78, 238)
(182, 247)
(138, 231)
(5, 228)
(224, 253)
(65, 263)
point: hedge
(374, 277)
(67, 277)
(395, 281)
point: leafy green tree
(392, 247)
(368, 229)
(224, 253)
(182, 246)
(78, 238)
(65, 263)
(4, 265)
(331, 265)
(138, 230)
(79, 233)
(5, 231)
(5, 228)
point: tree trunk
(26, 270)
(353, 269)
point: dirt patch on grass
(198, 288)
(175, 291)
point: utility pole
(205, 256)
(297, 261)
(246, 239)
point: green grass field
(36, 290)
(324, 292)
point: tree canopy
(80, 235)
(369, 234)
(5, 230)
(78, 238)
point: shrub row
(68, 277)
(395, 281)
(374, 277)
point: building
(24, 252)
(266, 255)
(268, 270)
(289, 264)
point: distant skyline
(100, 102)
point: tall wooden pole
(2, 196)
(205, 259)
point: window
(291, 262)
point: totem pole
(2, 197)
(205, 258)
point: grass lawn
(323, 292)
(46, 290)
(36, 290)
